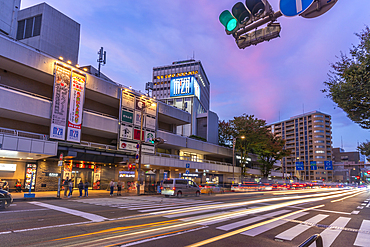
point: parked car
(5, 199)
(179, 187)
(210, 188)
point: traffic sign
(187, 172)
(313, 165)
(299, 166)
(292, 8)
(187, 165)
(328, 165)
(318, 8)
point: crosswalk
(301, 224)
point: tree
(364, 149)
(252, 129)
(349, 81)
(224, 133)
(269, 151)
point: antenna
(102, 60)
(341, 142)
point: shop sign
(152, 109)
(126, 174)
(138, 118)
(59, 107)
(131, 146)
(184, 86)
(76, 107)
(126, 132)
(194, 175)
(127, 116)
(52, 174)
(8, 167)
(150, 122)
(137, 135)
(128, 100)
(149, 135)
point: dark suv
(5, 199)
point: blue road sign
(299, 166)
(187, 165)
(187, 172)
(313, 165)
(328, 165)
(294, 7)
(165, 175)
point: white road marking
(298, 229)
(355, 212)
(175, 207)
(363, 204)
(330, 234)
(368, 205)
(251, 220)
(20, 211)
(92, 217)
(261, 229)
(360, 207)
(362, 238)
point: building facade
(309, 139)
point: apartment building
(309, 138)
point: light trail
(341, 199)
(229, 234)
(214, 219)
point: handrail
(25, 92)
(314, 238)
(20, 133)
(190, 159)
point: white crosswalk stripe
(330, 234)
(298, 229)
(363, 237)
(261, 229)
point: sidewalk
(50, 195)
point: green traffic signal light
(228, 20)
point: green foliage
(364, 149)
(198, 138)
(224, 133)
(270, 151)
(349, 81)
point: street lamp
(143, 106)
(234, 142)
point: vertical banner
(62, 79)
(76, 107)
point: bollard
(314, 238)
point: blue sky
(273, 80)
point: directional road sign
(292, 8)
(328, 165)
(299, 166)
(318, 8)
(187, 165)
(187, 172)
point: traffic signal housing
(258, 8)
(229, 21)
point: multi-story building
(34, 113)
(184, 85)
(308, 137)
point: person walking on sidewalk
(111, 185)
(119, 187)
(65, 185)
(70, 185)
(80, 188)
(86, 185)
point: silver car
(179, 187)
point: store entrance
(81, 174)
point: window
(320, 141)
(320, 157)
(320, 152)
(30, 27)
(318, 126)
(318, 131)
(318, 121)
(318, 116)
(319, 136)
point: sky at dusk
(274, 80)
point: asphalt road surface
(271, 218)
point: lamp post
(234, 142)
(143, 106)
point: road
(270, 218)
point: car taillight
(161, 187)
(174, 188)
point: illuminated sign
(184, 86)
(176, 75)
(8, 167)
(126, 174)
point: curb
(34, 199)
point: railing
(314, 238)
(25, 92)
(20, 133)
(98, 145)
(192, 159)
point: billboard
(62, 77)
(76, 107)
(184, 86)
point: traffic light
(357, 177)
(229, 21)
(265, 34)
(258, 8)
(241, 13)
(129, 167)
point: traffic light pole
(140, 144)
(256, 24)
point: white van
(179, 187)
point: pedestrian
(5, 185)
(18, 186)
(119, 187)
(86, 185)
(111, 185)
(70, 185)
(80, 187)
(65, 185)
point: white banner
(62, 80)
(137, 118)
(76, 107)
(8, 167)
